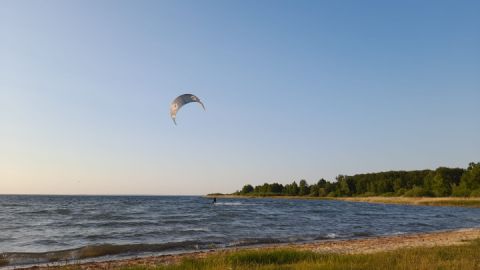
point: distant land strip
(428, 201)
(442, 186)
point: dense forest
(434, 183)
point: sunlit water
(137, 225)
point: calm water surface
(133, 225)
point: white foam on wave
(331, 235)
(233, 203)
(229, 203)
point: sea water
(40, 229)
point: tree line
(433, 183)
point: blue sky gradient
(293, 90)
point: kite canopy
(180, 101)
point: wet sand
(354, 246)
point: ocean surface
(41, 229)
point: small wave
(12, 204)
(253, 241)
(419, 224)
(191, 230)
(96, 237)
(183, 221)
(326, 236)
(104, 216)
(114, 224)
(63, 211)
(47, 212)
(86, 252)
(362, 234)
(46, 242)
(444, 215)
(332, 235)
(38, 212)
(229, 203)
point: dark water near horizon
(35, 229)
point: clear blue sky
(293, 90)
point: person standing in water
(214, 200)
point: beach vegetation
(475, 193)
(461, 190)
(452, 202)
(399, 192)
(465, 257)
(3, 262)
(417, 192)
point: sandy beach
(432, 201)
(354, 246)
(428, 201)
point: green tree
(460, 190)
(472, 176)
(469, 182)
(247, 189)
(439, 186)
(343, 187)
(313, 191)
(303, 188)
(276, 188)
(440, 182)
(292, 189)
(398, 184)
(322, 183)
(322, 192)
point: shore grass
(3, 262)
(464, 257)
(443, 201)
(454, 202)
(429, 201)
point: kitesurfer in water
(214, 200)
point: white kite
(180, 101)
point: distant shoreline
(369, 245)
(426, 201)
